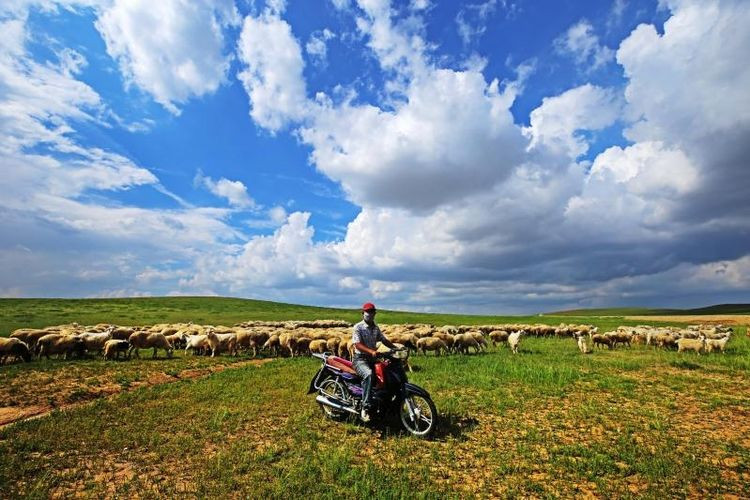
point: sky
(496, 157)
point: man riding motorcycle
(364, 339)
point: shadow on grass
(449, 425)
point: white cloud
(472, 20)
(273, 72)
(235, 192)
(692, 80)
(172, 49)
(452, 136)
(583, 45)
(316, 46)
(557, 121)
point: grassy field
(548, 422)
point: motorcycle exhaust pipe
(334, 404)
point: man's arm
(361, 347)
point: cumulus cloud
(559, 119)
(273, 71)
(172, 49)
(581, 43)
(235, 192)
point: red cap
(369, 306)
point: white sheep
(95, 341)
(696, 345)
(514, 339)
(716, 344)
(197, 344)
(222, 342)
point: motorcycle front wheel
(418, 415)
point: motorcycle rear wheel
(332, 389)
(425, 418)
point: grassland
(548, 422)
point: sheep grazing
(113, 348)
(13, 347)
(197, 344)
(319, 346)
(332, 344)
(222, 342)
(55, 343)
(29, 336)
(288, 343)
(273, 346)
(302, 346)
(716, 344)
(145, 340)
(600, 339)
(95, 341)
(463, 341)
(514, 339)
(498, 337)
(178, 340)
(122, 332)
(696, 345)
(425, 344)
(478, 338)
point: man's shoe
(364, 415)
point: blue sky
(490, 157)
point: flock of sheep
(296, 338)
(695, 338)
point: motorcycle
(340, 393)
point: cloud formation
(462, 208)
(172, 49)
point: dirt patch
(12, 414)
(707, 319)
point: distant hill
(644, 311)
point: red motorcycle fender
(380, 375)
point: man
(364, 339)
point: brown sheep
(13, 347)
(113, 348)
(29, 336)
(272, 344)
(303, 346)
(55, 343)
(425, 344)
(464, 341)
(145, 340)
(319, 346)
(600, 340)
(332, 344)
(498, 337)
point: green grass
(548, 422)
(37, 313)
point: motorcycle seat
(341, 364)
